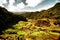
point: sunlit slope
(29, 31)
(52, 13)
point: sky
(27, 5)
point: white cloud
(11, 2)
(57, 1)
(20, 6)
(11, 7)
(2, 2)
(33, 3)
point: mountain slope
(46, 28)
(7, 19)
(52, 13)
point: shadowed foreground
(7, 19)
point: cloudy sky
(27, 5)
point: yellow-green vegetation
(29, 31)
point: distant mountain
(7, 19)
(52, 13)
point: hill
(7, 19)
(43, 25)
(52, 13)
